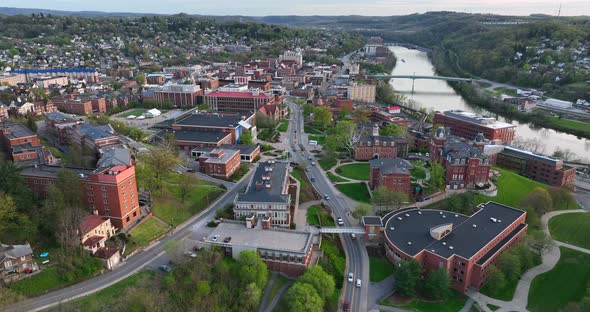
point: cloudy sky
(312, 7)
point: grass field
(105, 298)
(283, 126)
(355, 191)
(327, 163)
(298, 175)
(135, 112)
(357, 171)
(379, 269)
(311, 130)
(169, 206)
(325, 219)
(566, 282)
(507, 91)
(321, 139)
(335, 178)
(571, 124)
(571, 228)
(144, 233)
(452, 304)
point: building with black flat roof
(465, 246)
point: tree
(308, 109)
(250, 297)
(322, 116)
(509, 263)
(185, 185)
(344, 136)
(13, 184)
(361, 115)
(407, 276)
(362, 210)
(437, 174)
(437, 284)
(322, 282)
(15, 227)
(31, 124)
(539, 200)
(561, 195)
(264, 121)
(303, 297)
(539, 242)
(393, 130)
(246, 138)
(384, 198)
(252, 269)
(157, 165)
(496, 279)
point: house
(95, 230)
(376, 146)
(15, 260)
(393, 173)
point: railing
(340, 230)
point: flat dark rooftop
(465, 239)
(277, 180)
(376, 221)
(195, 135)
(16, 130)
(52, 171)
(210, 120)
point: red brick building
(245, 102)
(73, 106)
(110, 190)
(393, 173)
(469, 125)
(540, 168)
(220, 162)
(22, 144)
(375, 146)
(465, 246)
(465, 163)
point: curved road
(131, 265)
(357, 259)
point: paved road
(357, 258)
(131, 265)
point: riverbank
(445, 64)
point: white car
(340, 222)
(350, 277)
(215, 238)
(358, 282)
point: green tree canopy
(322, 282)
(437, 284)
(302, 297)
(539, 199)
(252, 269)
(407, 277)
(247, 137)
(322, 116)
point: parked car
(227, 239)
(313, 163)
(340, 222)
(165, 268)
(346, 306)
(350, 277)
(358, 282)
(190, 170)
(215, 238)
(327, 197)
(312, 179)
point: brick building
(110, 189)
(15, 260)
(362, 93)
(178, 95)
(465, 162)
(284, 251)
(220, 162)
(22, 144)
(540, 168)
(376, 146)
(469, 125)
(393, 173)
(244, 102)
(247, 152)
(267, 195)
(466, 246)
(73, 106)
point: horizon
(262, 8)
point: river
(439, 96)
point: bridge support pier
(413, 81)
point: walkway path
(271, 282)
(278, 296)
(521, 296)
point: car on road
(327, 197)
(312, 179)
(215, 238)
(309, 158)
(350, 277)
(307, 169)
(227, 239)
(313, 163)
(165, 268)
(358, 282)
(190, 170)
(340, 222)
(346, 306)
(352, 235)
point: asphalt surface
(357, 258)
(154, 253)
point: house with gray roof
(267, 195)
(15, 260)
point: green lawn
(283, 126)
(379, 269)
(335, 178)
(453, 304)
(170, 208)
(493, 307)
(356, 171)
(103, 299)
(571, 228)
(311, 130)
(298, 175)
(135, 112)
(321, 139)
(144, 233)
(325, 219)
(566, 282)
(571, 124)
(355, 191)
(327, 163)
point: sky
(312, 7)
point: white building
(558, 103)
(152, 113)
